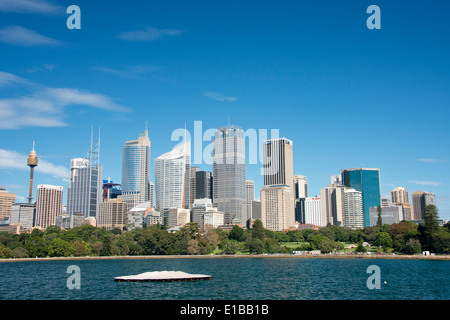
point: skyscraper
(310, 212)
(278, 163)
(399, 195)
(353, 215)
(249, 196)
(85, 185)
(229, 174)
(203, 185)
(300, 187)
(48, 204)
(332, 205)
(172, 181)
(136, 170)
(367, 181)
(420, 200)
(277, 207)
(193, 186)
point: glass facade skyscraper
(136, 170)
(229, 174)
(85, 185)
(172, 183)
(367, 181)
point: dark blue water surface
(233, 278)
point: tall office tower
(249, 196)
(203, 185)
(172, 178)
(278, 163)
(136, 170)
(277, 207)
(112, 213)
(151, 194)
(300, 187)
(193, 185)
(32, 162)
(85, 189)
(229, 174)
(6, 201)
(312, 213)
(353, 215)
(399, 195)
(332, 205)
(48, 204)
(23, 213)
(420, 200)
(366, 181)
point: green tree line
(405, 237)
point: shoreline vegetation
(403, 240)
(237, 256)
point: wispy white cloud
(41, 68)
(30, 6)
(20, 36)
(9, 79)
(46, 107)
(130, 71)
(430, 160)
(425, 183)
(10, 159)
(70, 96)
(219, 96)
(148, 34)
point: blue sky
(345, 95)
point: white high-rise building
(200, 206)
(229, 174)
(49, 203)
(353, 209)
(172, 183)
(312, 211)
(23, 213)
(136, 170)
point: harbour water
(232, 279)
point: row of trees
(404, 237)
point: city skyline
(339, 91)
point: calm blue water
(238, 278)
